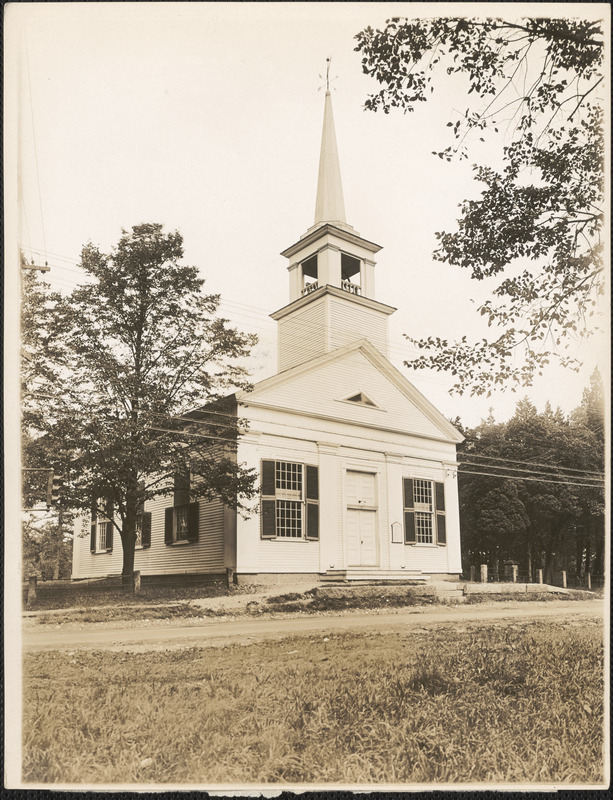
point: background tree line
(532, 489)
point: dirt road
(247, 631)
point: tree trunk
(579, 549)
(548, 565)
(128, 536)
(60, 536)
(599, 556)
(588, 553)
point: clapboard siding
(280, 556)
(94, 565)
(205, 555)
(427, 558)
(323, 390)
(350, 322)
(302, 335)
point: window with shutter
(101, 535)
(422, 501)
(181, 521)
(289, 507)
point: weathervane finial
(328, 78)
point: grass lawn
(480, 703)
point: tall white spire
(329, 206)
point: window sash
(288, 480)
(289, 516)
(101, 535)
(424, 529)
(139, 530)
(422, 495)
(181, 522)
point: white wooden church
(358, 471)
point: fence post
(229, 577)
(589, 580)
(483, 573)
(564, 579)
(137, 582)
(31, 589)
(472, 573)
(539, 574)
(514, 573)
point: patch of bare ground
(511, 703)
(93, 594)
(263, 601)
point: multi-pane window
(288, 491)
(103, 529)
(422, 503)
(423, 528)
(139, 530)
(290, 500)
(288, 478)
(182, 519)
(101, 526)
(424, 512)
(182, 522)
(289, 519)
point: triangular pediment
(325, 386)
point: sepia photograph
(307, 396)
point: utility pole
(46, 268)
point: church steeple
(330, 205)
(331, 273)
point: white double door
(361, 519)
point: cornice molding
(323, 230)
(334, 291)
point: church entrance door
(361, 519)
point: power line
(538, 480)
(463, 471)
(526, 463)
(586, 474)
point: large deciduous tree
(138, 392)
(537, 226)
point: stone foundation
(276, 578)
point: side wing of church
(358, 470)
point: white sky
(207, 117)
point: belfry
(331, 274)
